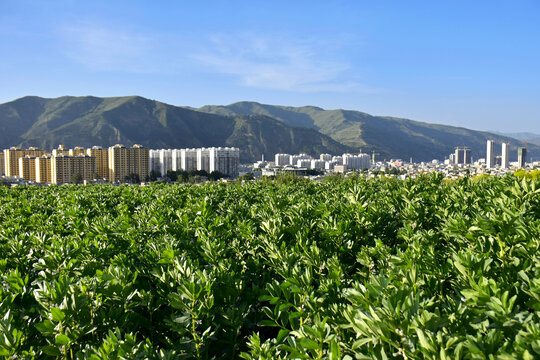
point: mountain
(87, 121)
(391, 137)
(523, 136)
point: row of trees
(188, 176)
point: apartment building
(357, 162)
(203, 159)
(43, 169)
(12, 155)
(65, 169)
(102, 161)
(2, 163)
(61, 150)
(77, 151)
(27, 167)
(224, 159)
(125, 162)
(188, 159)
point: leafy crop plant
(345, 269)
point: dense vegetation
(288, 269)
(391, 137)
(87, 121)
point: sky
(464, 63)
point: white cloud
(273, 62)
(107, 48)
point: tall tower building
(504, 156)
(102, 161)
(65, 168)
(203, 159)
(61, 150)
(225, 160)
(76, 151)
(467, 155)
(462, 155)
(126, 162)
(43, 169)
(490, 154)
(522, 157)
(12, 155)
(2, 164)
(27, 168)
(188, 159)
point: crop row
(367, 269)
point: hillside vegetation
(391, 137)
(366, 269)
(88, 121)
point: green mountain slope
(88, 121)
(391, 137)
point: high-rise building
(188, 159)
(27, 168)
(176, 159)
(12, 155)
(225, 160)
(43, 169)
(294, 158)
(318, 164)
(282, 159)
(467, 155)
(2, 163)
(303, 163)
(490, 154)
(76, 151)
(203, 159)
(462, 155)
(102, 161)
(128, 162)
(61, 150)
(65, 169)
(161, 160)
(357, 162)
(522, 157)
(325, 157)
(504, 156)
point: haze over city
(470, 64)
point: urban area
(138, 164)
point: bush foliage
(350, 268)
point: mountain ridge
(89, 120)
(392, 137)
(257, 129)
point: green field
(367, 269)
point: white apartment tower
(504, 156)
(361, 161)
(188, 159)
(282, 159)
(490, 154)
(224, 159)
(203, 159)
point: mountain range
(389, 136)
(527, 137)
(257, 129)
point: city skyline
(456, 63)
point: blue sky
(465, 63)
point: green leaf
(61, 339)
(46, 327)
(282, 333)
(57, 314)
(309, 344)
(3, 351)
(268, 323)
(51, 350)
